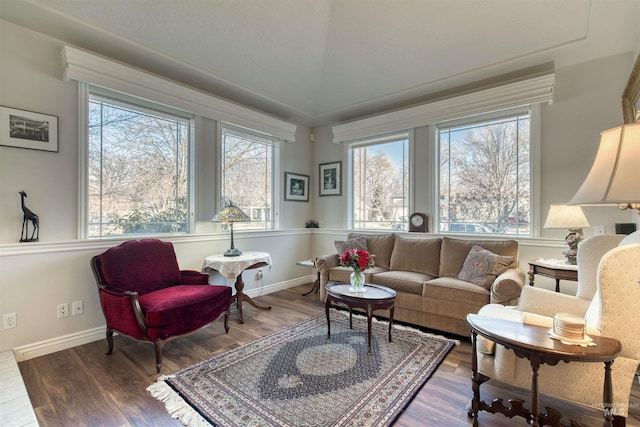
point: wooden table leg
(326, 310)
(369, 322)
(532, 273)
(316, 286)
(240, 296)
(475, 380)
(535, 404)
(390, 321)
(557, 285)
(607, 396)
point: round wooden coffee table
(375, 297)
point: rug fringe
(175, 405)
(396, 326)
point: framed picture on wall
(28, 129)
(330, 179)
(296, 187)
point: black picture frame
(296, 187)
(330, 178)
(28, 129)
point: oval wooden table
(375, 297)
(533, 342)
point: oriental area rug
(298, 377)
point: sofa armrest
(192, 277)
(507, 287)
(324, 264)
(122, 311)
(548, 303)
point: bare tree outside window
(380, 184)
(137, 170)
(485, 177)
(247, 175)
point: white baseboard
(65, 342)
(53, 345)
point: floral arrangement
(357, 259)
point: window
(380, 182)
(484, 175)
(138, 167)
(247, 174)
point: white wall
(35, 277)
(587, 100)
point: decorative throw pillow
(482, 267)
(359, 242)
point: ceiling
(316, 62)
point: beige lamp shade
(614, 178)
(566, 216)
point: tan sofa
(422, 270)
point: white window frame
(534, 163)
(275, 176)
(378, 139)
(84, 92)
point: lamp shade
(614, 178)
(231, 213)
(566, 216)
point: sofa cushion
(380, 245)
(454, 252)
(402, 281)
(483, 266)
(417, 255)
(358, 242)
(178, 309)
(456, 290)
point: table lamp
(230, 214)
(615, 174)
(572, 218)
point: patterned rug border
(178, 406)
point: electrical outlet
(259, 275)
(63, 310)
(77, 308)
(598, 229)
(9, 321)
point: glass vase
(357, 281)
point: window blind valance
(93, 69)
(530, 91)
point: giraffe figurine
(29, 216)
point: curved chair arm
(192, 277)
(122, 308)
(548, 303)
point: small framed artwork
(330, 179)
(28, 129)
(296, 187)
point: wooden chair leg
(227, 314)
(110, 340)
(158, 344)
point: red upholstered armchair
(146, 296)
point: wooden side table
(316, 285)
(554, 269)
(375, 297)
(533, 342)
(232, 268)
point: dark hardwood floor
(84, 387)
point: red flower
(357, 259)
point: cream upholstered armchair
(608, 294)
